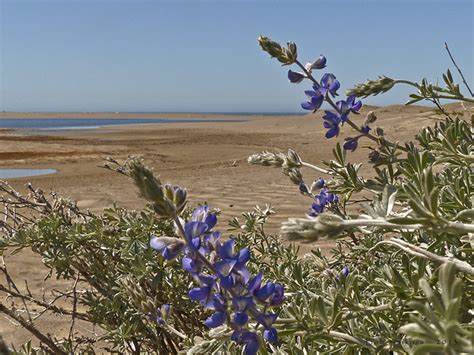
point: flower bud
(165, 311)
(374, 156)
(364, 129)
(371, 117)
(267, 159)
(293, 159)
(303, 188)
(372, 87)
(269, 46)
(165, 208)
(291, 53)
(286, 56)
(345, 271)
(317, 185)
(148, 185)
(295, 176)
(351, 143)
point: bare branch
(459, 70)
(53, 348)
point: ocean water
(63, 124)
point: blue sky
(203, 56)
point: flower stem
(425, 254)
(317, 168)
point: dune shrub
(399, 279)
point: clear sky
(203, 56)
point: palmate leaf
(437, 323)
(383, 206)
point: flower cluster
(224, 284)
(322, 200)
(325, 90)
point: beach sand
(209, 159)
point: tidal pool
(16, 173)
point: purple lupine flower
(190, 265)
(250, 340)
(316, 209)
(169, 248)
(278, 295)
(331, 121)
(267, 320)
(201, 293)
(270, 335)
(319, 63)
(210, 241)
(315, 100)
(351, 104)
(216, 320)
(328, 84)
(205, 293)
(264, 293)
(240, 319)
(163, 313)
(242, 303)
(270, 294)
(317, 184)
(202, 214)
(160, 320)
(231, 259)
(192, 234)
(295, 77)
(351, 143)
(255, 283)
(166, 308)
(321, 201)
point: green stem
(176, 332)
(447, 97)
(408, 82)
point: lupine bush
(399, 279)
(123, 287)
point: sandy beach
(209, 159)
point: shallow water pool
(16, 173)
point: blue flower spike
(224, 283)
(325, 90)
(322, 201)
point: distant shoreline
(128, 115)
